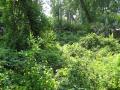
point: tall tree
(86, 10)
(22, 17)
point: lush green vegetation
(78, 48)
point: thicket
(92, 63)
(41, 54)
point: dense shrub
(50, 57)
(92, 63)
(45, 51)
(88, 70)
(73, 26)
(39, 77)
(64, 37)
(73, 52)
(95, 42)
(26, 74)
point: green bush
(94, 42)
(51, 57)
(95, 68)
(73, 52)
(92, 63)
(21, 71)
(39, 77)
(98, 73)
(67, 37)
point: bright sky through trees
(46, 7)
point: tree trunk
(82, 3)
